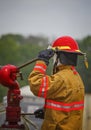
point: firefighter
(63, 91)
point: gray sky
(47, 17)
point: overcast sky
(47, 17)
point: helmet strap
(56, 63)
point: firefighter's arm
(37, 76)
(43, 85)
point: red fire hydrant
(8, 78)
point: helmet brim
(76, 52)
(68, 51)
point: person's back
(64, 108)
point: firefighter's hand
(39, 113)
(45, 55)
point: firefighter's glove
(45, 55)
(39, 113)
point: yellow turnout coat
(64, 96)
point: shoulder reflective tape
(67, 107)
(74, 70)
(43, 87)
(40, 67)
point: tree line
(17, 49)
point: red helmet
(67, 44)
